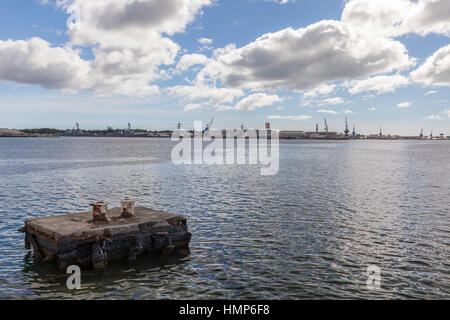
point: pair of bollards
(100, 210)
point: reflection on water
(309, 232)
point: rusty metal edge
(38, 233)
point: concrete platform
(77, 239)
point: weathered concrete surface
(77, 239)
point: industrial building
(10, 133)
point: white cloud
(368, 96)
(206, 44)
(299, 117)
(381, 17)
(221, 98)
(322, 102)
(371, 109)
(347, 111)
(405, 104)
(328, 111)
(447, 112)
(434, 117)
(306, 58)
(333, 101)
(35, 61)
(130, 22)
(192, 106)
(282, 1)
(128, 42)
(429, 16)
(257, 100)
(379, 84)
(209, 95)
(189, 60)
(398, 17)
(435, 71)
(205, 41)
(320, 90)
(430, 92)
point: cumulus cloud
(405, 104)
(398, 17)
(333, 112)
(204, 96)
(435, 71)
(305, 58)
(282, 1)
(429, 16)
(434, 117)
(193, 106)
(189, 60)
(335, 100)
(428, 93)
(299, 117)
(381, 17)
(379, 84)
(320, 90)
(120, 22)
(208, 95)
(257, 100)
(127, 39)
(205, 41)
(322, 102)
(35, 61)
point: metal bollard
(127, 208)
(100, 211)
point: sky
(291, 63)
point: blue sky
(312, 62)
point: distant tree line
(42, 131)
(51, 131)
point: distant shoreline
(282, 134)
(281, 138)
(43, 136)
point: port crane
(326, 125)
(178, 125)
(346, 131)
(381, 132)
(354, 132)
(208, 126)
(421, 134)
(431, 134)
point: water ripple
(309, 232)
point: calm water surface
(309, 232)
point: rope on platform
(98, 255)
